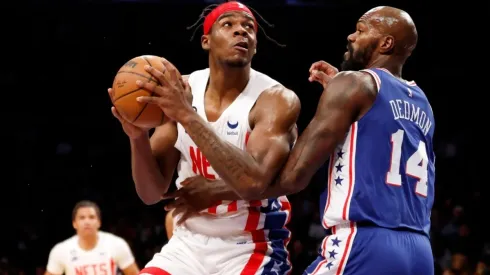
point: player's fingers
(175, 204)
(173, 195)
(116, 114)
(188, 180)
(111, 94)
(149, 99)
(174, 76)
(149, 86)
(321, 77)
(318, 65)
(156, 74)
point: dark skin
(272, 119)
(347, 96)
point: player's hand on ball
(196, 194)
(132, 131)
(322, 72)
(173, 94)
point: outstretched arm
(250, 172)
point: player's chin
(238, 62)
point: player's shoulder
(354, 84)
(356, 78)
(196, 74)
(65, 245)
(278, 99)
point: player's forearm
(223, 191)
(235, 166)
(147, 177)
(307, 156)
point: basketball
(126, 91)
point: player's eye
(226, 24)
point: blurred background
(63, 145)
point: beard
(356, 61)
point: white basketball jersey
(228, 217)
(110, 253)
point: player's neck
(225, 79)
(394, 67)
(88, 242)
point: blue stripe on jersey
(278, 259)
(275, 218)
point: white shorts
(189, 253)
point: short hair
(82, 204)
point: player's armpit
(131, 270)
(340, 105)
(250, 172)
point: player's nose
(351, 37)
(240, 31)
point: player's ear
(205, 42)
(74, 225)
(387, 44)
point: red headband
(223, 8)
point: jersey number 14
(416, 166)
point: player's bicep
(337, 110)
(269, 149)
(271, 139)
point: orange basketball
(126, 91)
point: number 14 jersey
(383, 173)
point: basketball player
(90, 251)
(377, 129)
(239, 127)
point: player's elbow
(149, 198)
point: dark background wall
(63, 145)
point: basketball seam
(149, 63)
(144, 107)
(128, 93)
(142, 75)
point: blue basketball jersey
(383, 173)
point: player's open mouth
(242, 46)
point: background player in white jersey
(241, 130)
(90, 251)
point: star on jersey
(332, 254)
(338, 180)
(336, 241)
(275, 205)
(329, 265)
(277, 268)
(340, 154)
(339, 167)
